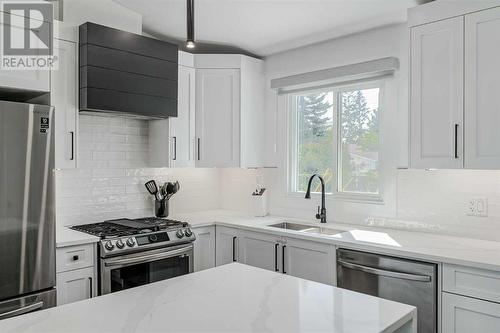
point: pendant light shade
(190, 24)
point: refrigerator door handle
(23, 310)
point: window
(335, 133)
(314, 138)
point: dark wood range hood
(125, 73)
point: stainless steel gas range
(141, 251)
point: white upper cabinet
(454, 82)
(182, 127)
(482, 85)
(437, 94)
(64, 94)
(220, 121)
(172, 141)
(37, 80)
(217, 117)
(229, 111)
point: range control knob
(130, 242)
(109, 245)
(179, 233)
(188, 232)
(120, 244)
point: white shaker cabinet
(454, 82)
(182, 127)
(76, 277)
(436, 94)
(204, 248)
(462, 314)
(229, 111)
(301, 258)
(172, 141)
(261, 250)
(76, 285)
(309, 260)
(35, 80)
(227, 245)
(482, 85)
(218, 117)
(64, 97)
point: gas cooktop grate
(128, 227)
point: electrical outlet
(477, 207)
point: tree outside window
(315, 138)
(356, 168)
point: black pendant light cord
(190, 24)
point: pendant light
(190, 24)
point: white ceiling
(265, 27)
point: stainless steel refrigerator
(27, 223)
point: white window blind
(342, 75)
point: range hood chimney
(127, 74)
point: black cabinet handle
(283, 259)
(91, 288)
(72, 145)
(175, 148)
(199, 140)
(234, 248)
(276, 269)
(76, 257)
(456, 140)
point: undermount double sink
(305, 228)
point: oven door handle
(149, 257)
(383, 272)
(23, 310)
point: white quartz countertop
(229, 298)
(68, 237)
(410, 244)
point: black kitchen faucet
(321, 215)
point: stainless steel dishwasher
(401, 280)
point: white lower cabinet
(204, 248)
(305, 259)
(76, 277)
(261, 250)
(76, 285)
(227, 243)
(461, 314)
(309, 260)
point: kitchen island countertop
(229, 298)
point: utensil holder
(259, 201)
(161, 208)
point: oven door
(132, 270)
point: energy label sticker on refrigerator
(44, 124)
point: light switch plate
(477, 207)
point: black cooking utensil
(152, 188)
(177, 187)
(170, 188)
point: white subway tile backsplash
(112, 169)
(108, 155)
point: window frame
(292, 139)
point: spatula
(152, 188)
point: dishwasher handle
(382, 272)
